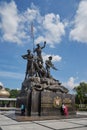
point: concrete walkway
(62, 124)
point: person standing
(22, 109)
(62, 108)
(66, 111)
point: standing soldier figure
(29, 58)
(49, 65)
(38, 50)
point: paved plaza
(7, 123)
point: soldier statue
(38, 50)
(29, 68)
(49, 65)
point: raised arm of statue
(43, 45)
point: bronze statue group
(35, 65)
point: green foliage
(81, 93)
(82, 109)
(13, 92)
(7, 89)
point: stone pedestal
(46, 103)
(51, 103)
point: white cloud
(11, 75)
(12, 23)
(70, 84)
(9, 21)
(32, 14)
(55, 58)
(52, 29)
(15, 26)
(79, 32)
(1, 84)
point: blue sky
(61, 23)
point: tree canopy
(81, 93)
(13, 92)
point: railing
(7, 108)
